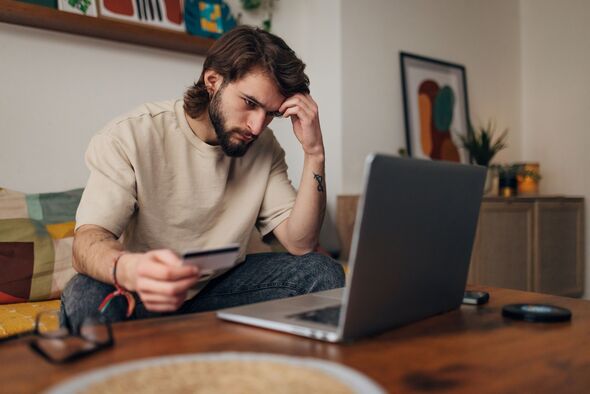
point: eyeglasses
(61, 345)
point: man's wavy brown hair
(240, 51)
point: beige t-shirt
(156, 184)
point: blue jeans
(261, 277)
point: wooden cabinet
(526, 243)
(345, 218)
(530, 243)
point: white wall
(58, 89)
(555, 81)
(482, 35)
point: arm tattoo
(319, 179)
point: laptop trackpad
(329, 315)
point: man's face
(241, 110)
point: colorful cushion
(15, 318)
(36, 236)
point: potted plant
(528, 177)
(507, 179)
(482, 146)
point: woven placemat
(214, 373)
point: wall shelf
(25, 14)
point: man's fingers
(297, 104)
(171, 289)
(154, 268)
(165, 256)
(299, 100)
(299, 113)
(290, 112)
(162, 272)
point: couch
(36, 237)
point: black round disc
(536, 312)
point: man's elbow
(75, 263)
(299, 244)
(301, 248)
(299, 251)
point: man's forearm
(95, 250)
(307, 216)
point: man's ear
(213, 81)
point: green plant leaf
(481, 145)
(251, 4)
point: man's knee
(81, 298)
(324, 272)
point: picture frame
(82, 7)
(165, 14)
(208, 18)
(436, 108)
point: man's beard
(230, 147)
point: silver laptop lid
(412, 242)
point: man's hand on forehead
(300, 105)
(304, 114)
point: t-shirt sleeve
(110, 196)
(280, 194)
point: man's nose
(256, 122)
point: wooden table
(472, 349)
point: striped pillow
(36, 236)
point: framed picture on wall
(165, 14)
(436, 108)
(83, 7)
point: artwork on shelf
(43, 3)
(436, 108)
(166, 14)
(82, 7)
(208, 18)
(256, 13)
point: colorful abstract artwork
(82, 7)
(208, 18)
(436, 108)
(159, 13)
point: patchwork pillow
(36, 237)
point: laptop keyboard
(329, 315)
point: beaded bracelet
(119, 290)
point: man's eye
(250, 103)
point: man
(202, 172)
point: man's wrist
(127, 271)
(317, 156)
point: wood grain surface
(472, 349)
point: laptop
(409, 259)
